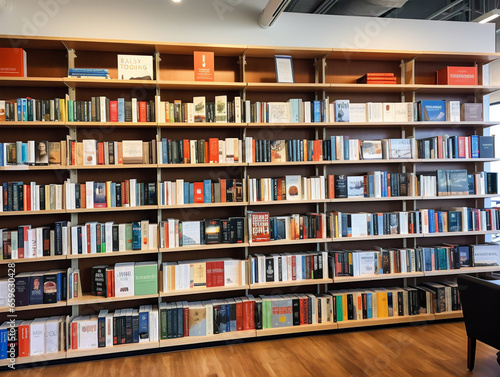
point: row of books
(282, 267)
(39, 336)
(381, 261)
(231, 150)
(207, 273)
(108, 329)
(422, 221)
(125, 279)
(290, 187)
(40, 287)
(222, 110)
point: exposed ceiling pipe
(325, 6)
(441, 11)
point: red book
(278, 189)
(186, 321)
(253, 150)
(316, 150)
(74, 335)
(73, 152)
(87, 227)
(440, 146)
(126, 193)
(113, 111)
(251, 315)
(13, 62)
(218, 274)
(23, 332)
(198, 192)
(210, 280)
(388, 184)
(379, 74)
(302, 311)
(187, 158)
(331, 186)
(109, 279)
(461, 146)
(27, 197)
(100, 153)
(223, 189)
(206, 151)
(83, 195)
(381, 82)
(143, 111)
(294, 267)
(239, 316)
(213, 150)
(457, 76)
(260, 226)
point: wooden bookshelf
(449, 315)
(36, 359)
(247, 72)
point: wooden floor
(416, 351)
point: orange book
(23, 332)
(203, 66)
(100, 153)
(143, 111)
(331, 186)
(223, 190)
(278, 189)
(206, 151)
(27, 198)
(198, 192)
(83, 195)
(12, 62)
(388, 184)
(253, 150)
(126, 193)
(213, 150)
(120, 153)
(187, 158)
(73, 152)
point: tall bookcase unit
(247, 72)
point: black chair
(481, 308)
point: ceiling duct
(372, 8)
(271, 12)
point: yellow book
(108, 194)
(200, 274)
(382, 305)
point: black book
(225, 231)
(22, 289)
(128, 111)
(269, 269)
(46, 241)
(36, 289)
(212, 231)
(492, 183)
(99, 281)
(114, 235)
(50, 288)
(129, 336)
(237, 229)
(258, 314)
(340, 182)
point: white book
(400, 112)
(133, 192)
(37, 336)
(89, 194)
(109, 329)
(74, 239)
(135, 67)
(39, 242)
(307, 112)
(388, 112)
(279, 112)
(108, 229)
(122, 243)
(209, 309)
(221, 109)
(232, 272)
(357, 112)
(89, 152)
(31, 151)
(374, 111)
(453, 111)
(134, 110)
(190, 112)
(103, 107)
(179, 187)
(237, 109)
(124, 279)
(358, 224)
(52, 335)
(87, 332)
(153, 324)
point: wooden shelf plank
(115, 349)
(449, 315)
(88, 299)
(373, 199)
(113, 254)
(289, 163)
(204, 247)
(37, 124)
(202, 125)
(188, 48)
(285, 87)
(75, 82)
(111, 125)
(203, 290)
(472, 196)
(292, 283)
(286, 125)
(447, 160)
(106, 167)
(30, 260)
(26, 167)
(22, 213)
(385, 321)
(463, 270)
(453, 234)
(376, 161)
(375, 238)
(6, 309)
(279, 202)
(201, 165)
(200, 85)
(36, 359)
(297, 329)
(204, 205)
(112, 209)
(449, 89)
(289, 242)
(349, 279)
(372, 88)
(207, 339)
(32, 82)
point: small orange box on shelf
(12, 62)
(457, 76)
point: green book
(163, 320)
(145, 278)
(128, 236)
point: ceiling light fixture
(488, 16)
(176, 1)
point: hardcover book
(357, 112)
(199, 109)
(342, 110)
(99, 281)
(259, 226)
(486, 255)
(132, 151)
(457, 76)
(124, 279)
(293, 187)
(221, 109)
(135, 67)
(145, 278)
(371, 149)
(432, 110)
(355, 187)
(191, 233)
(472, 112)
(13, 62)
(212, 231)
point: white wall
(234, 22)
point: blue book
(191, 192)
(19, 109)
(136, 236)
(371, 182)
(384, 184)
(2, 162)
(24, 153)
(346, 148)
(294, 110)
(59, 286)
(121, 109)
(474, 142)
(143, 324)
(428, 256)
(186, 193)
(207, 191)
(25, 109)
(432, 110)
(232, 317)
(164, 150)
(380, 224)
(333, 154)
(440, 222)
(371, 224)
(113, 194)
(3, 341)
(432, 222)
(316, 113)
(344, 224)
(369, 307)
